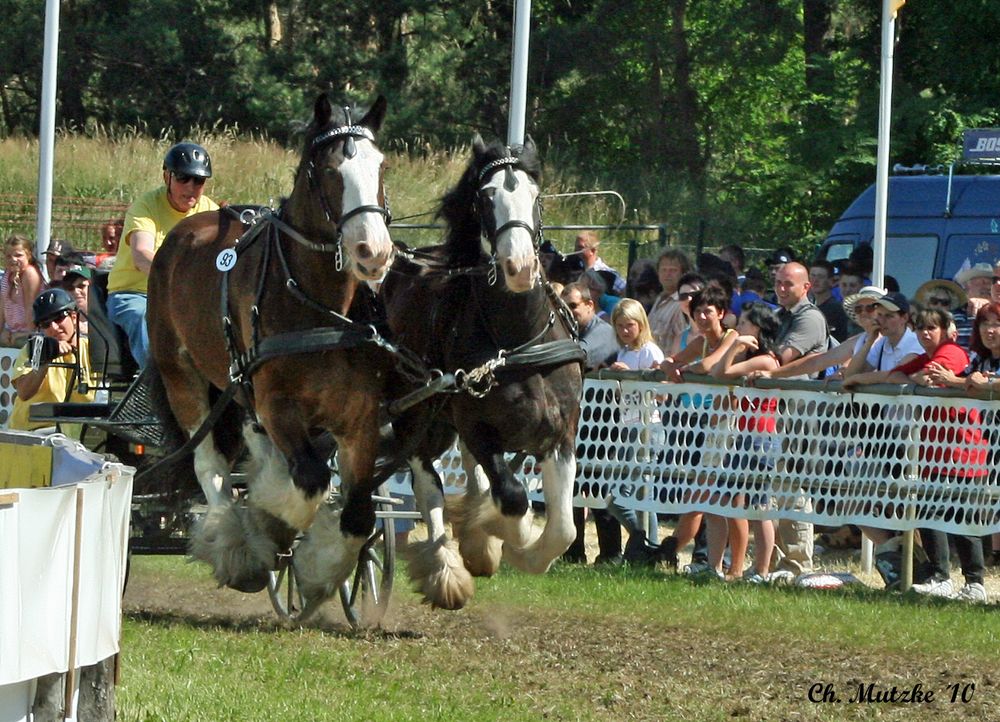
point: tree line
(750, 121)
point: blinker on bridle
(348, 132)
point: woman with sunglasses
(186, 167)
(50, 368)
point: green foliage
(729, 120)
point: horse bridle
(348, 132)
(487, 216)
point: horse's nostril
(511, 268)
(364, 250)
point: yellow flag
(895, 5)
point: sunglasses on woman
(58, 318)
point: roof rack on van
(918, 169)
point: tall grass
(255, 170)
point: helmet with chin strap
(50, 303)
(188, 159)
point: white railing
(891, 457)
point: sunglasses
(864, 307)
(939, 301)
(686, 296)
(58, 318)
(183, 178)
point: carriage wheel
(366, 597)
(283, 590)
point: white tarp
(37, 536)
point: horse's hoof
(250, 583)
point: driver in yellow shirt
(186, 167)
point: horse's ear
(529, 145)
(478, 146)
(322, 111)
(374, 117)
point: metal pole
(519, 73)
(47, 129)
(884, 125)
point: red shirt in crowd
(959, 439)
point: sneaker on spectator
(973, 592)
(936, 588)
(703, 569)
(781, 577)
(752, 576)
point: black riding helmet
(188, 159)
(50, 303)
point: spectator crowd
(816, 320)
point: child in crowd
(636, 340)
(637, 351)
(753, 350)
(19, 287)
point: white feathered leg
(325, 558)
(435, 567)
(558, 475)
(270, 483)
(227, 538)
(472, 521)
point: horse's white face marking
(515, 246)
(365, 236)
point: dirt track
(619, 668)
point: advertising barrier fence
(891, 457)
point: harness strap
(550, 353)
(313, 340)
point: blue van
(937, 225)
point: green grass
(576, 643)
(252, 170)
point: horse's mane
(458, 206)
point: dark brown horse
(276, 322)
(509, 342)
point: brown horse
(275, 322)
(510, 344)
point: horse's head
(345, 169)
(507, 202)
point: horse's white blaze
(515, 246)
(270, 483)
(558, 473)
(365, 236)
(212, 470)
